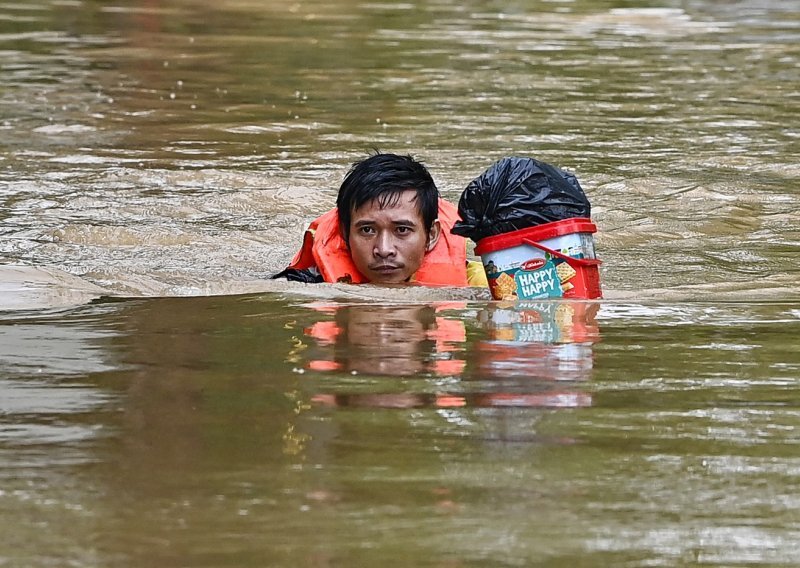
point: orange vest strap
(304, 257)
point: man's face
(388, 244)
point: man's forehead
(402, 204)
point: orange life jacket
(324, 247)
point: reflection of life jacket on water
(324, 248)
(360, 338)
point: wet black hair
(383, 177)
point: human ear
(433, 235)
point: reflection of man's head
(390, 340)
(386, 340)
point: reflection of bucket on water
(550, 340)
(533, 363)
(551, 260)
(542, 321)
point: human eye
(366, 230)
(404, 230)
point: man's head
(388, 207)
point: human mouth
(385, 268)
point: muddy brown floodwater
(162, 403)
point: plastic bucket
(553, 260)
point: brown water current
(163, 403)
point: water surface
(253, 430)
(156, 148)
(162, 403)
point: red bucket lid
(537, 233)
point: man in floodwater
(389, 226)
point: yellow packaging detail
(476, 275)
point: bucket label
(540, 282)
(535, 279)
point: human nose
(384, 246)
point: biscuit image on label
(505, 287)
(565, 272)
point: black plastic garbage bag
(518, 193)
